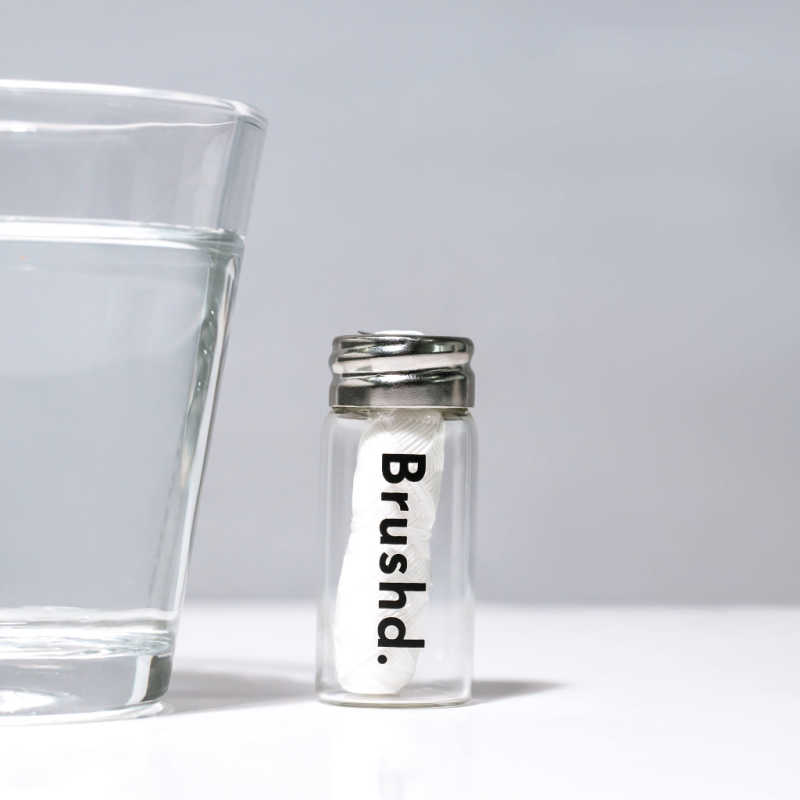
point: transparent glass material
(122, 217)
(442, 614)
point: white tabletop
(569, 703)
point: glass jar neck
(363, 412)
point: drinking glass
(122, 221)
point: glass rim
(236, 108)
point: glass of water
(122, 217)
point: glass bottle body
(395, 622)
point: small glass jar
(395, 623)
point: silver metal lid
(401, 369)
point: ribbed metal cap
(402, 369)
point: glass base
(50, 718)
(57, 671)
(418, 697)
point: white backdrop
(603, 195)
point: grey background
(603, 195)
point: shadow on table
(220, 687)
(488, 691)
(224, 687)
